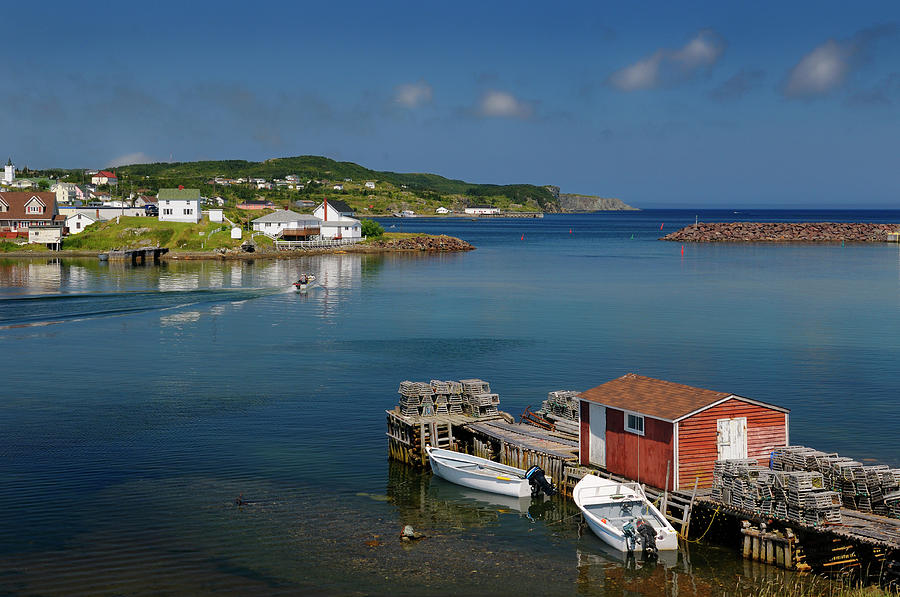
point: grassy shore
(133, 232)
(204, 240)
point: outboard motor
(630, 533)
(539, 482)
(648, 537)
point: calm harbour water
(139, 402)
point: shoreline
(416, 244)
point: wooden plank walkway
(527, 437)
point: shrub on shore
(371, 228)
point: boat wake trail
(29, 311)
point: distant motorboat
(621, 515)
(103, 256)
(303, 283)
(487, 475)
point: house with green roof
(179, 205)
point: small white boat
(621, 515)
(486, 475)
(303, 283)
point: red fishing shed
(639, 427)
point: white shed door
(597, 454)
(731, 438)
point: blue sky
(660, 104)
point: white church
(9, 173)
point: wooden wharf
(495, 437)
(864, 544)
(860, 542)
(139, 256)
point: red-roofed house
(105, 177)
(31, 214)
(642, 428)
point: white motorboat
(304, 282)
(621, 515)
(486, 475)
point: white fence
(287, 245)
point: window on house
(167, 212)
(634, 423)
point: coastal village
(48, 217)
(40, 212)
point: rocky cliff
(569, 202)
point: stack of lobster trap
(430, 399)
(796, 496)
(859, 487)
(478, 400)
(563, 404)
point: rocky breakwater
(783, 232)
(423, 243)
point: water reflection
(44, 275)
(179, 320)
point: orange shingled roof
(652, 397)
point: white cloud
(820, 71)
(827, 66)
(500, 104)
(413, 95)
(668, 67)
(703, 50)
(643, 74)
(138, 157)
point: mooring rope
(700, 538)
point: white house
(442, 210)
(336, 220)
(338, 187)
(46, 235)
(78, 221)
(105, 177)
(179, 205)
(336, 209)
(66, 192)
(288, 223)
(345, 228)
(370, 184)
(479, 210)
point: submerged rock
(408, 534)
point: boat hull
(478, 473)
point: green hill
(322, 168)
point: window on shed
(634, 423)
